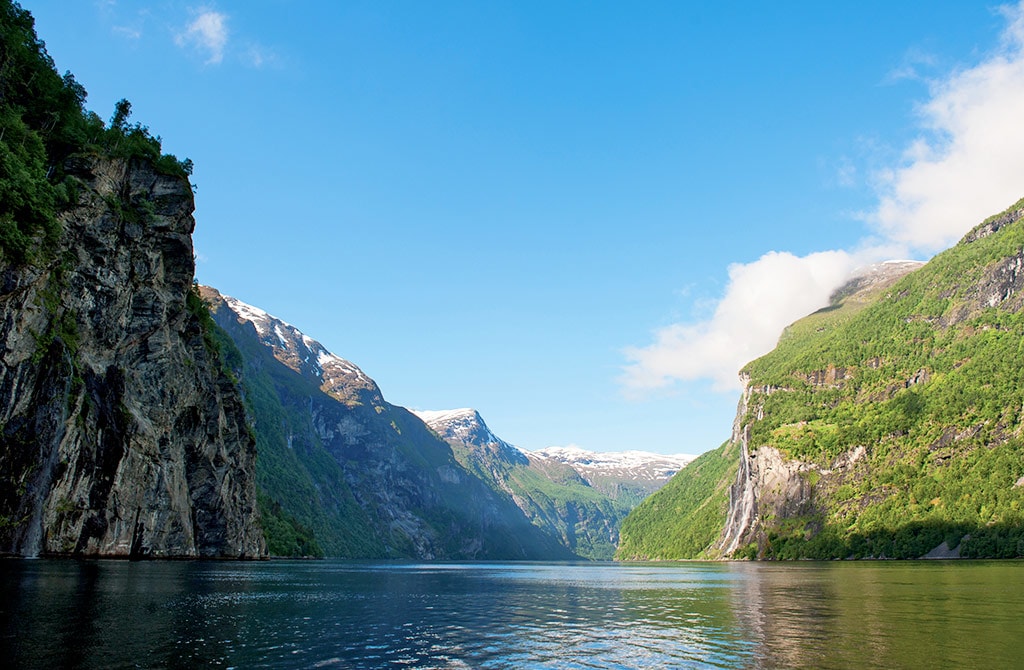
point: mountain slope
(576, 496)
(890, 424)
(367, 478)
(685, 517)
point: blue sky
(579, 218)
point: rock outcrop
(769, 485)
(122, 434)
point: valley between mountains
(427, 484)
(145, 416)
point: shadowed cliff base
(917, 539)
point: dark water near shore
(109, 614)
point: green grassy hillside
(685, 517)
(882, 426)
(554, 497)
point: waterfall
(742, 501)
(31, 544)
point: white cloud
(128, 32)
(913, 62)
(967, 164)
(208, 32)
(259, 56)
(761, 299)
(969, 160)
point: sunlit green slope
(887, 424)
(685, 517)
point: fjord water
(325, 614)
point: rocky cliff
(121, 433)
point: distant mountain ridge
(467, 426)
(338, 377)
(646, 470)
(578, 496)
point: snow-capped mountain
(635, 466)
(339, 378)
(578, 496)
(644, 468)
(342, 466)
(462, 424)
(467, 427)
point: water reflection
(882, 615)
(371, 615)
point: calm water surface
(108, 614)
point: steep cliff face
(725, 502)
(770, 487)
(368, 477)
(121, 433)
(890, 424)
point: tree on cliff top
(43, 121)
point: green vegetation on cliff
(884, 425)
(343, 471)
(927, 379)
(685, 517)
(120, 433)
(554, 497)
(306, 507)
(43, 123)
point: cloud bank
(762, 298)
(967, 163)
(969, 160)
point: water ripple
(494, 615)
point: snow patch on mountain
(631, 465)
(254, 315)
(466, 425)
(339, 377)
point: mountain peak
(467, 426)
(463, 414)
(868, 280)
(336, 376)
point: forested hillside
(886, 425)
(685, 517)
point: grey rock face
(120, 435)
